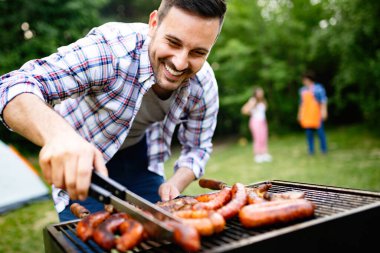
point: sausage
(86, 226)
(187, 237)
(220, 199)
(284, 195)
(79, 211)
(273, 212)
(204, 221)
(217, 221)
(104, 233)
(191, 214)
(254, 198)
(204, 226)
(132, 233)
(109, 208)
(206, 197)
(238, 200)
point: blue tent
(19, 181)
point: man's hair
(202, 8)
(309, 74)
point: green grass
(353, 161)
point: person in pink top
(256, 107)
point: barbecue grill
(345, 220)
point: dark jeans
(322, 139)
(129, 167)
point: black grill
(345, 220)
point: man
(312, 111)
(117, 95)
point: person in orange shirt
(312, 111)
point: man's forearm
(324, 111)
(182, 178)
(66, 159)
(29, 116)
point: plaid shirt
(97, 85)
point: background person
(118, 95)
(312, 111)
(256, 107)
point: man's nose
(181, 60)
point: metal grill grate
(332, 206)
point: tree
(34, 29)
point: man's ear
(153, 22)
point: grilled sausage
(104, 233)
(206, 197)
(204, 226)
(79, 211)
(238, 200)
(284, 195)
(132, 232)
(273, 212)
(187, 237)
(191, 214)
(204, 221)
(220, 199)
(86, 226)
(254, 198)
(217, 221)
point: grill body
(345, 220)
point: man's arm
(324, 113)
(66, 159)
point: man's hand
(176, 184)
(168, 191)
(66, 159)
(67, 162)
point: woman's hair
(202, 8)
(259, 99)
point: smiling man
(111, 101)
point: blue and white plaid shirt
(97, 85)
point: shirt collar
(145, 67)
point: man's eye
(199, 53)
(174, 43)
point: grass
(353, 161)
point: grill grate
(332, 203)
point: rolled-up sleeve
(70, 72)
(195, 134)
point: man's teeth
(172, 71)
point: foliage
(355, 43)
(129, 11)
(34, 29)
(270, 43)
(51, 23)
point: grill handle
(109, 184)
(211, 184)
(99, 194)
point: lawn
(353, 161)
